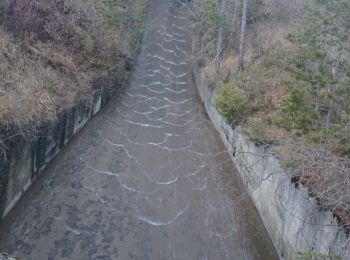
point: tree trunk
(219, 46)
(317, 89)
(335, 72)
(242, 37)
(234, 18)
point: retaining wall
(26, 160)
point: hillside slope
(54, 53)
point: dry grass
(35, 85)
(228, 64)
(209, 73)
(53, 53)
(276, 18)
(260, 131)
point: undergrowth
(54, 52)
(294, 92)
(300, 81)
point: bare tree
(234, 18)
(335, 72)
(242, 37)
(219, 46)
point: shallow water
(148, 178)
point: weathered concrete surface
(25, 160)
(294, 221)
(148, 178)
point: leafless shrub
(326, 175)
(45, 20)
(28, 16)
(24, 15)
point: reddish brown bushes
(27, 16)
(44, 20)
(23, 15)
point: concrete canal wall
(26, 160)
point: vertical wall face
(26, 160)
(4, 170)
(293, 220)
(19, 171)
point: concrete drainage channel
(148, 178)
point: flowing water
(148, 178)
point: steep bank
(295, 222)
(284, 77)
(56, 53)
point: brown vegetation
(52, 52)
(296, 83)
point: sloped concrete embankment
(293, 220)
(25, 160)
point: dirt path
(149, 178)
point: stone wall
(27, 159)
(293, 220)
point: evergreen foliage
(232, 103)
